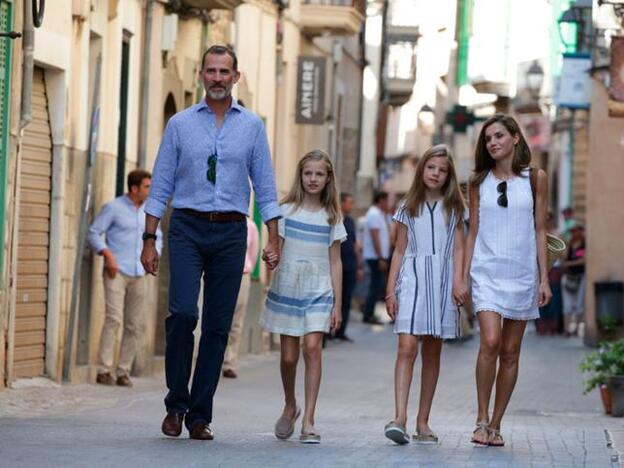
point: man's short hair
(379, 195)
(220, 50)
(344, 196)
(136, 177)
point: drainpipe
(72, 321)
(28, 46)
(332, 143)
(145, 80)
(361, 96)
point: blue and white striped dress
(425, 281)
(301, 297)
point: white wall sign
(575, 83)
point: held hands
(391, 305)
(545, 294)
(149, 257)
(271, 254)
(459, 292)
(336, 319)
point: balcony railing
(400, 73)
(334, 17)
(397, 33)
(399, 90)
(212, 4)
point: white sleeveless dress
(504, 269)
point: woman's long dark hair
(484, 162)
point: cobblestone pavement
(549, 421)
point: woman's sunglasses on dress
(502, 198)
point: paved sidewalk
(549, 421)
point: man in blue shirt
(206, 157)
(122, 221)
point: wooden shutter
(34, 236)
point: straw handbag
(555, 247)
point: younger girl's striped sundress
(425, 280)
(301, 298)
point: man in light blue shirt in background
(207, 156)
(122, 222)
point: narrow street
(549, 421)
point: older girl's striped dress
(425, 281)
(301, 297)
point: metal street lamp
(579, 14)
(535, 79)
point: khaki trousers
(125, 298)
(234, 340)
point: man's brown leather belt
(215, 216)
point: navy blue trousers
(348, 285)
(375, 289)
(215, 250)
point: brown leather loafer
(172, 424)
(124, 381)
(105, 378)
(201, 431)
(229, 374)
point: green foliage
(608, 360)
(608, 323)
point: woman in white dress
(505, 260)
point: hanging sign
(310, 107)
(575, 83)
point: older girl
(304, 300)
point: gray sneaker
(425, 439)
(396, 433)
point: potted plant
(593, 364)
(606, 369)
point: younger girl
(425, 284)
(305, 294)
(506, 261)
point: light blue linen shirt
(242, 150)
(123, 225)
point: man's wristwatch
(148, 235)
